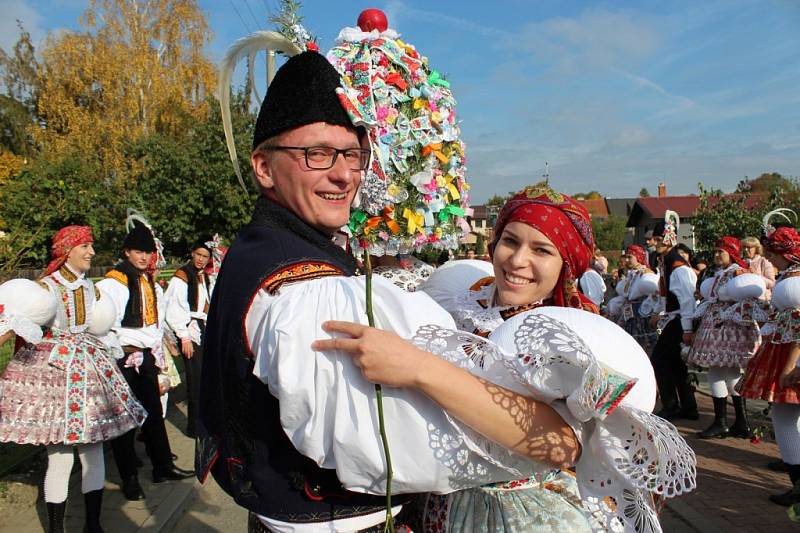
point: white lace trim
(409, 278)
(628, 455)
(24, 327)
(472, 316)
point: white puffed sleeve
(644, 285)
(451, 280)
(177, 313)
(786, 294)
(328, 410)
(601, 382)
(682, 283)
(26, 306)
(593, 286)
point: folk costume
(556, 499)
(781, 337)
(727, 337)
(677, 286)
(62, 388)
(640, 285)
(138, 328)
(292, 434)
(187, 299)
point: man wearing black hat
(188, 296)
(308, 160)
(678, 281)
(133, 291)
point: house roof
(479, 212)
(686, 206)
(596, 207)
(620, 207)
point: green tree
(187, 186)
(591, 195)
(18, 73)
(609, 234)
(644, 193)
(735, 214)
(767, 182)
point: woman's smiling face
(527, 265)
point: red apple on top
(373, 19)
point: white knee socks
(722, 380)
(786, 421)
(59, 465)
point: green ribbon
(357, 220)
(436, 79)
(450, 210)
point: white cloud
(631, 136)
(14, 10)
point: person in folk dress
(771, 373)
(723, 343)
(639, 285)
(62, 389)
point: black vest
(240, 438)
(193, 284)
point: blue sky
(614, 95)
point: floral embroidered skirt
(639, 328)
(527, 505)
(723, 343)
(40, 405)
(760, 381)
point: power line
(246, 26)
(258, 24)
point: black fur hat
(302, 92)
(139, 238)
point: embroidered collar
(69, 278)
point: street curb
(171, 509)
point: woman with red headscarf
(639, 285)
(728, 335)
(542, 245)
(62, 389)
(771, 374)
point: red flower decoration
(63, 350)
(72, 436)
(75, 377)
(311, 46)
(124, 396)
(2, 308)
(755, 440)
(74, 407)
(109, 373)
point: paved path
(163, 506)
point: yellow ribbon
(416, 221)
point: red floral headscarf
(785, 242)
(65, 240)
(637, 252)
(733, 247)
(567, 224)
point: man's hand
(688, 338)
(187, 348)
(654, 321)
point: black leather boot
(93, 501)
(718, 428)
(55, 517)
(740, 427)
(131, 489)
(792, 496)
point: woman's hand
(382, 356)
(187, 348)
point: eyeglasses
(324, 157)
